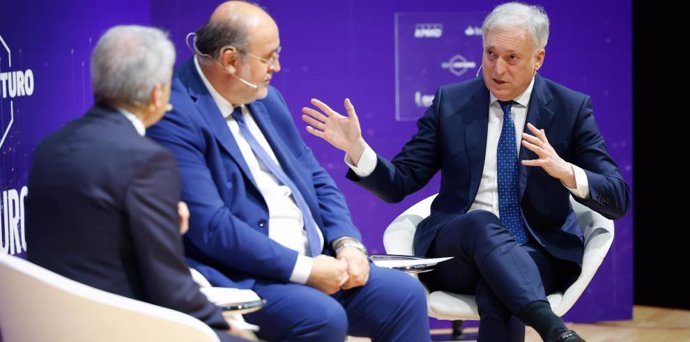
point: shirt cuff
(581, 189)
(366, 165)
(302, 270)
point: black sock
(539, 316)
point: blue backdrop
(331, 50)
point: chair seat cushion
(453, 306)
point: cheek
(246, 72)
(258, 73)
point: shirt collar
(522, 99)
(138, 125)
(225, 107)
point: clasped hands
(349, 269)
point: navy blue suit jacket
(451, 137)
(102, 210)
(229, 217)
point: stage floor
(649, 324)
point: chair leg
(456, 327)
(456, 334)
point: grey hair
(516, 14)
(127, 63)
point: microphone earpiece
(196, 51)
(479, 70)
(245, 82)
(193, 46)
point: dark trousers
(390, 307)
(489, 264)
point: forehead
(264, 38)
(510, 39)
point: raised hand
(343, 132)
(547, 158)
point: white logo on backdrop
(473, 31)
(428, 30)
(13, 83)
(458, 65)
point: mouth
(499, 82)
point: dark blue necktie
(507, 167)
(309, 224)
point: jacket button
(262, 223)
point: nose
(275, 66)
(500, 67)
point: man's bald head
(240, 11)
(229, 25)
(238, 50)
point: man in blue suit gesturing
(263, 212)
(512, 148)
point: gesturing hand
(343, 132)
(547, 158)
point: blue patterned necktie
(309, 224)
(507, 167)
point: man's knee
(324, 322)
(397, 289)
(401, 306)
(478, 227)
(299, 313)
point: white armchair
(39, 305)
(598, 233)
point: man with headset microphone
(263, 212)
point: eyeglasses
(270, 61)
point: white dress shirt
(285, 220)
(138, 125)
(487, 195)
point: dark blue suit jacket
(102, 210)
(229, 217)
(451, 137)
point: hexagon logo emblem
(13, 84)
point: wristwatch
(350, 242)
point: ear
(228, 57)
(156, 97)
(540, 59)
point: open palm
(343, 132)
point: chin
(501, 94)
(261, 93)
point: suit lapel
(214, 118)
(476, 120)
(539, 115)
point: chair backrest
(39, 305)
(399, 235)
(598, 232)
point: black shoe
(566, 336)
